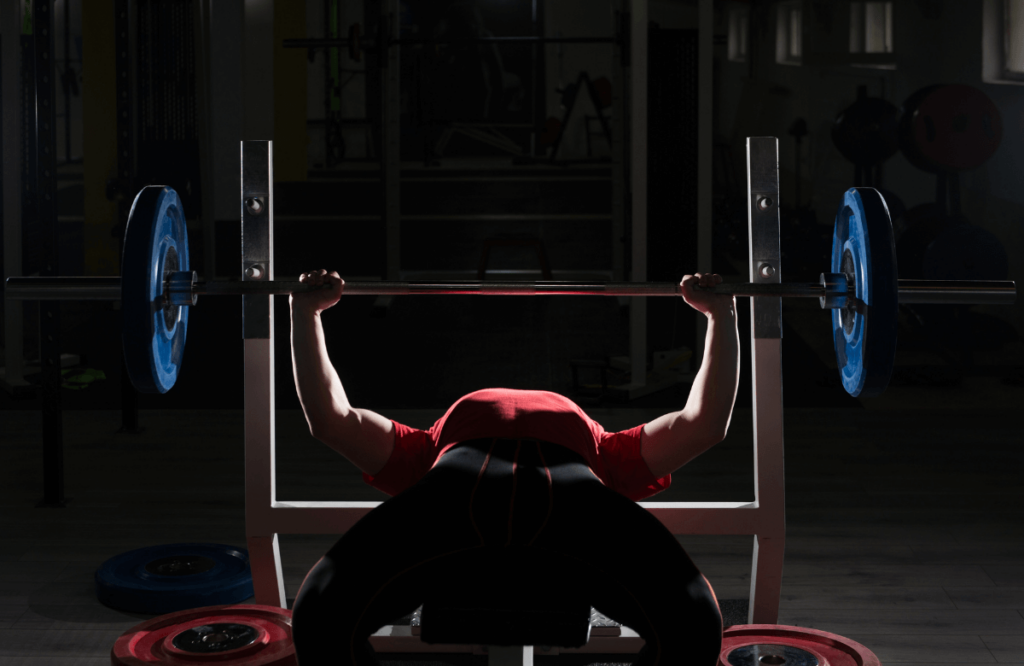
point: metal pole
(66, 81)
(125, 174)
(620, 145)
(538, 92)
(46, 218)
(391, 156)
(638, 189)
(203, 22)
(12, 374)
(705, 111)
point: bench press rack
(764, 518)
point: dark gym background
(904, 517)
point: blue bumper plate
(155, 245)
(864, 332)
(166, 579)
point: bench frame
(764, 518)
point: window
(1013, 39)
(788, 33)
(739, 19)
(871, 27)
(871, 35)
(1002, 41)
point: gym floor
(904, 512)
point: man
(525, 474)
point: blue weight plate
(166, 579)
(864, 332)
(155, 244)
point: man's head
(514, 413)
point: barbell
(356, 43)
(861, 289)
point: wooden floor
(905, 525)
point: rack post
(766, 384)
(258, 378)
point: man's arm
(672, 440)
(364, 437)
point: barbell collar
(836, 287)
(181, 288)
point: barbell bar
(861, 289)
(356, 44)
(333, 43)
(945, 292)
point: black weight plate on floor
(165, 579)
(155, 245)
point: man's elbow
(711, 441)
(720, 428)
(712, 431)
(320, 433)
(722, 434)
(327, 428)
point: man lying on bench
(511, 471)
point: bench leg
(766, 579)
(509, 655)
(267, 578)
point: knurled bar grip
(978, 292)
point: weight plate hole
(170, 311)
(214, 638)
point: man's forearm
(320, 391)
(713, 393)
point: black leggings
(499, 494)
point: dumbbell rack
(764, 518)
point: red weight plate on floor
(762, 644)
(224, 635)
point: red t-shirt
(513, 414)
